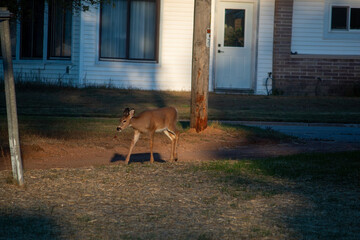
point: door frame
(213, 48)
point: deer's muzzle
(118, 129)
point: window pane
(142, 29)
(60, 20)
(32, 25)
(355, 18)
(234, 28)
(339, 18)
(114, 29)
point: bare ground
(79, 189)
(212, 144)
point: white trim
(212, 47)
(81, 74)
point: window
(345, 18)
(129, 29)
(32, 29)
(59, 32)
(59, 39)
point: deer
(151, 121)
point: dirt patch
(212, 144)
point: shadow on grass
(28, 226)
(137, 158)
(316, 194)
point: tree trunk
(200, 66)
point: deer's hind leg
(174, 136)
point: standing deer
(151, 121)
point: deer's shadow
(137, 158)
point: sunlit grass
(332, 167)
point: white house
(147, 44)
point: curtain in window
(32, 26)
(60, 21)
(128, 29)
(113, 29)
(142, 29)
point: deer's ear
(126, 112)
(132, 112)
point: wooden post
(10, 97)
(200, 66)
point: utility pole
(10, 97)
(200, 65)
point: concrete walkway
(315, 131)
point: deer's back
(156, 119)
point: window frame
(339, 34)
(127, 59)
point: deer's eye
(124, 121)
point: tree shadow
(28, 226)
(137, 158)
(314, 190)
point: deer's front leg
(133, 142)
(151, 135)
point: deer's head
(125, 119)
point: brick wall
(309, 75)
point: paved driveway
(316, 131)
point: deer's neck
(134, 122)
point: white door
(234, 45)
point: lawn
(102, 102)
(303, 196)
(306, 196)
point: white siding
(265, 43)
(173, 72)
(308, 30)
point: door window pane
(339, 18)
(234, 29)
(355, 18)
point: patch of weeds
(129, 168)
(84, 218)
(186, 185)
(10, 180)
(260, 232)
(204, 236)
(210, 200)
(129, 237)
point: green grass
(330, 167)
(107, 102)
